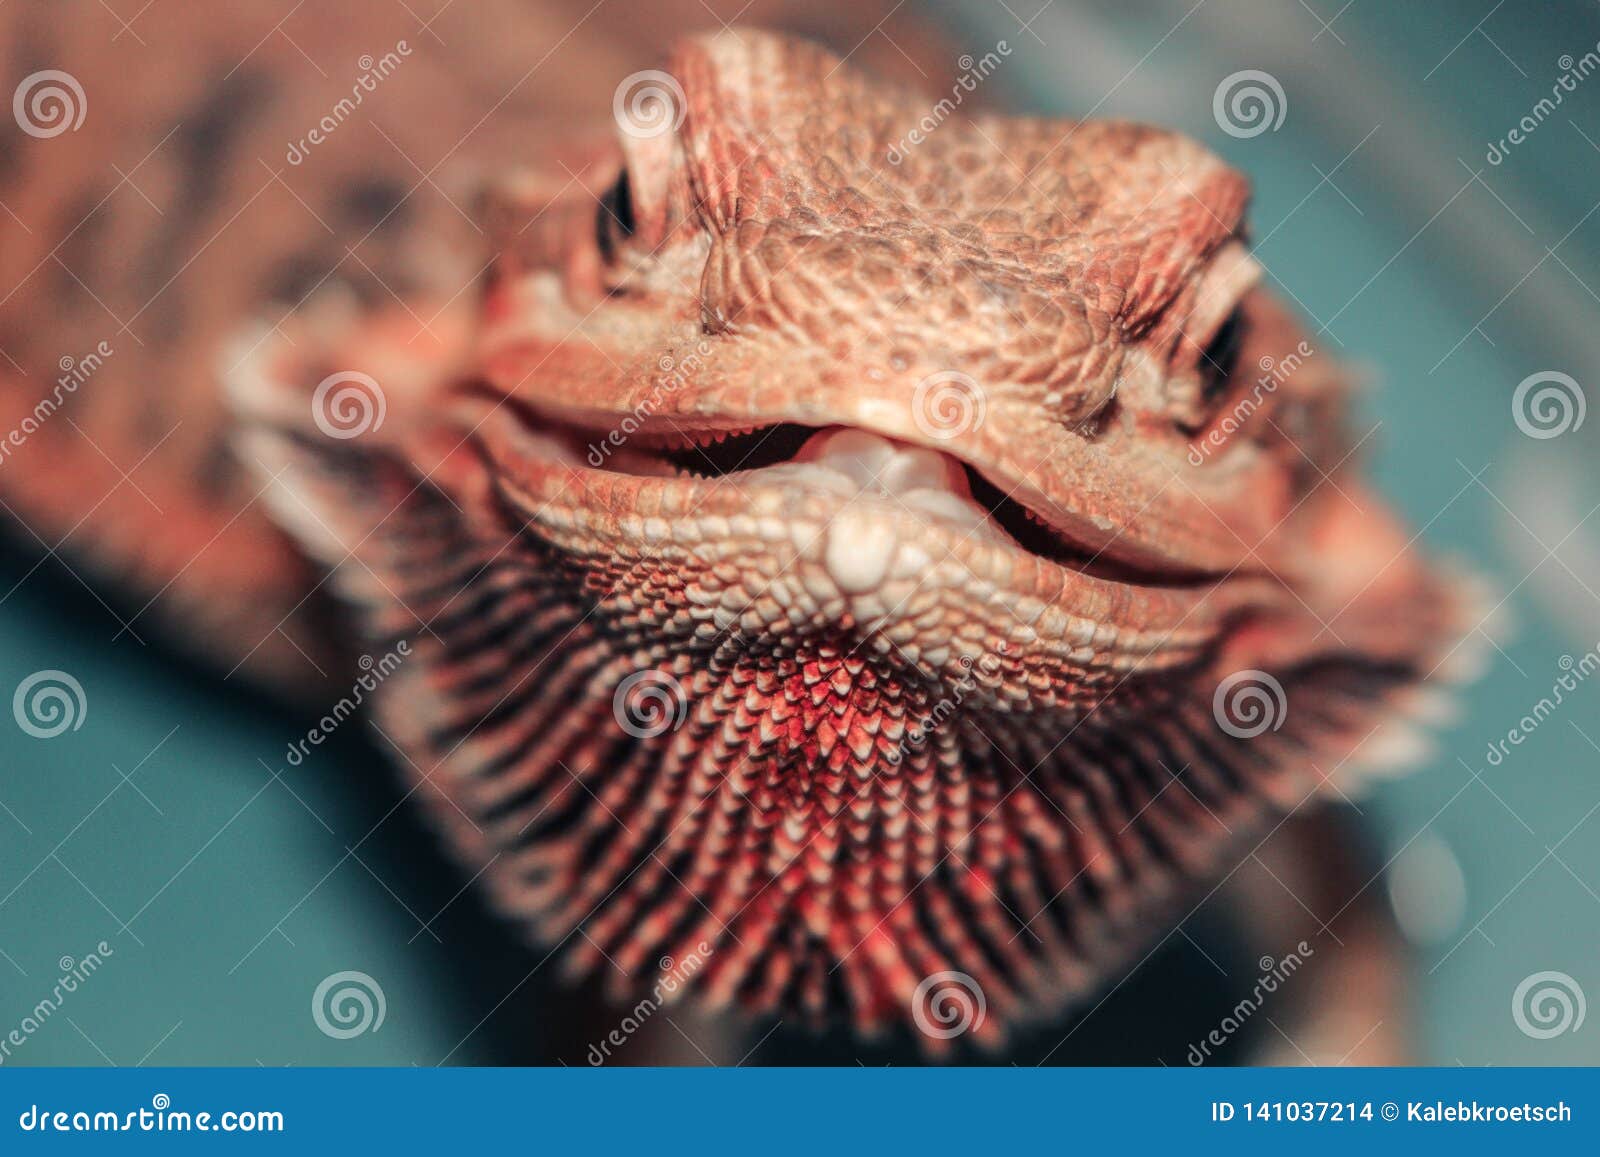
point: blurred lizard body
(845, 565)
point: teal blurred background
(228, 885)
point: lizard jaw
(850, 533)
(936, 484)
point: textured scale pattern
(173, 216)
(660, 710)
(792, 831)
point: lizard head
(1035, 319)
(850, 522)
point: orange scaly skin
(190, 201)
(730, 642)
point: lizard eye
(615, 221)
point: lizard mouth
(918, 482)
(791, 527)
(884, 490)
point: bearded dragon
(854, 567)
